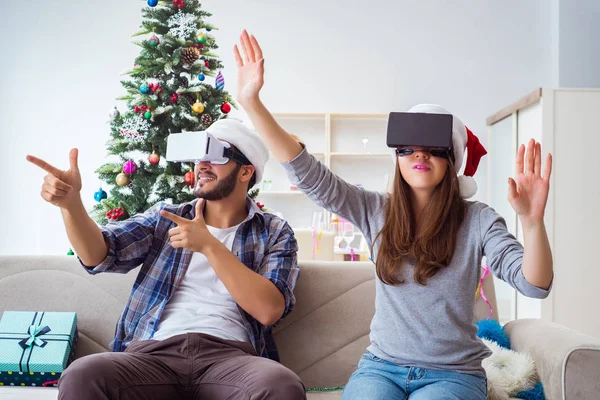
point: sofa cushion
(322, 340)
(316, 340)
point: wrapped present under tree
(36, 347)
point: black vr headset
(421, 130)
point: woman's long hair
(433, 247)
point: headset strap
(238, 157)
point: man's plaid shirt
(263, 242)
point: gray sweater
(423, 326)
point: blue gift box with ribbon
(36, 347)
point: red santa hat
(462, 139)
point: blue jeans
(379, 379)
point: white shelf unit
(566, 122)
(337, 140)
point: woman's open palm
(528, 191)
(250, 63)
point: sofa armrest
(567, 361)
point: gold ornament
(122, 179)
(190, 54)
(198, 107)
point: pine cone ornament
(183, 81)
(189, 97)
(206, 119)
(190, 54)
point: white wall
(579, 44)
(61, 66)
(554, 35)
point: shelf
(292, 115)
(361, 116)
(337, 115)
(336, 140)
(362, 154)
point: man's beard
(224, 187)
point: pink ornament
(486, 272)
(129, 167)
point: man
(216, 274)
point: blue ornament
(152, 3)
(100, 195)
(201, 77)
(145, 89)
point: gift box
(36, 347)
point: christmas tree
(167, 92)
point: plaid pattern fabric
(263, 242)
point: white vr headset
(201, 146)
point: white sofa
(322, 340)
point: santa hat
(246, 140)
(462, 139)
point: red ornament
(115, 214)
(174, 98)
(141, 109)
(179, 3)
(154, 158)
(260, 205)
(189, 178)
(226, 108)
(156, 88)
(206, 64)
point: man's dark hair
(253, 178)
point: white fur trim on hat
(245, 139)
(467, 185)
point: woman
(427, 242)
